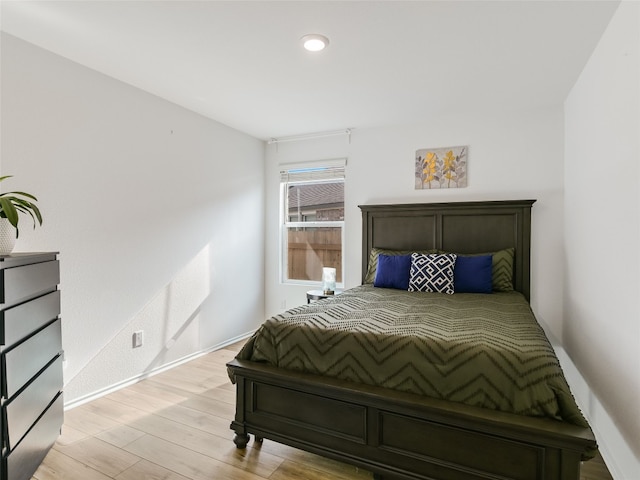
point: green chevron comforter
(482, 350)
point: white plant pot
(7, 237)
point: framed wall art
(444, 167)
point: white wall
(515, 155)
(157, 213)
(602, 238)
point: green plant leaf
(29, 208)
(36, 210)
(9, 211)
(28, 195)
(13, 203)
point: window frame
(286, 225)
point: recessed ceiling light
(314, 42)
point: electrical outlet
(137, 339)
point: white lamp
(314, 42)
(328, 280)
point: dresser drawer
(27, 281)
(23, 361)
(18, 322)
(23, 410)
(22, 462)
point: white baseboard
(620, 459)
(163, 368)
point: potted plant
(12, 204)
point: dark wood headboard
(459, 227)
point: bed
(407, 428)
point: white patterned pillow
(432, 272)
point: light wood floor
(175, 426)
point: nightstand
(316, 295)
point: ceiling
(388, 63)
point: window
(312, 212)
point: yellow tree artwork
(441, 168)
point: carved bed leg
(241, 440)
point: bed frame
(400, 435)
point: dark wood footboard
(398, 435)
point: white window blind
(313, 171)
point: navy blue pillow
(393, 271)
(473, 274)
